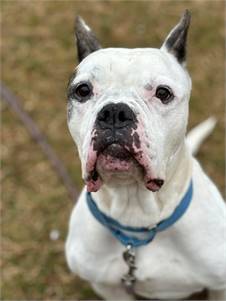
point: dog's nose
(116, 116)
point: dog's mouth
(116, 160)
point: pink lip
(93, 183)
(93, 186)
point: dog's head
(128, 108)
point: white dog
(149, 222)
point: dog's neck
(134, 205)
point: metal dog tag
(129, 279)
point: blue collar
(125, 234)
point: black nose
(116, 116)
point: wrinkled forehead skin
(123, 67)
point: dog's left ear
(85, 38)
(176, 41)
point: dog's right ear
(85, 38)
(176, 41)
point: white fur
(87, 28)
(189, 256)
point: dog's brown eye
(83, 91)
(164, 93)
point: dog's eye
(83, 91)
(164, 93)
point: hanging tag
(129, 279)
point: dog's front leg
(111, 292)
(217, 295)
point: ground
(38, 56)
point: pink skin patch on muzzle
(114, 161)
(93, 185)
(92, 180)
(110, 163)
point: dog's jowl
(149, 222)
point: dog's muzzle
(116, 146)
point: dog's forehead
(129, 63)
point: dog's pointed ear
(176, 41)
(85, 39)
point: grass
(38, 56)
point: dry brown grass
(38, 56)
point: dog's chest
(158, 269)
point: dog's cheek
(150, 148)
(175, 130)
(153, 141)
(76, 129)
(73, 129)
(76, 126)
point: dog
(149, 223)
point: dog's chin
(117, 166)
